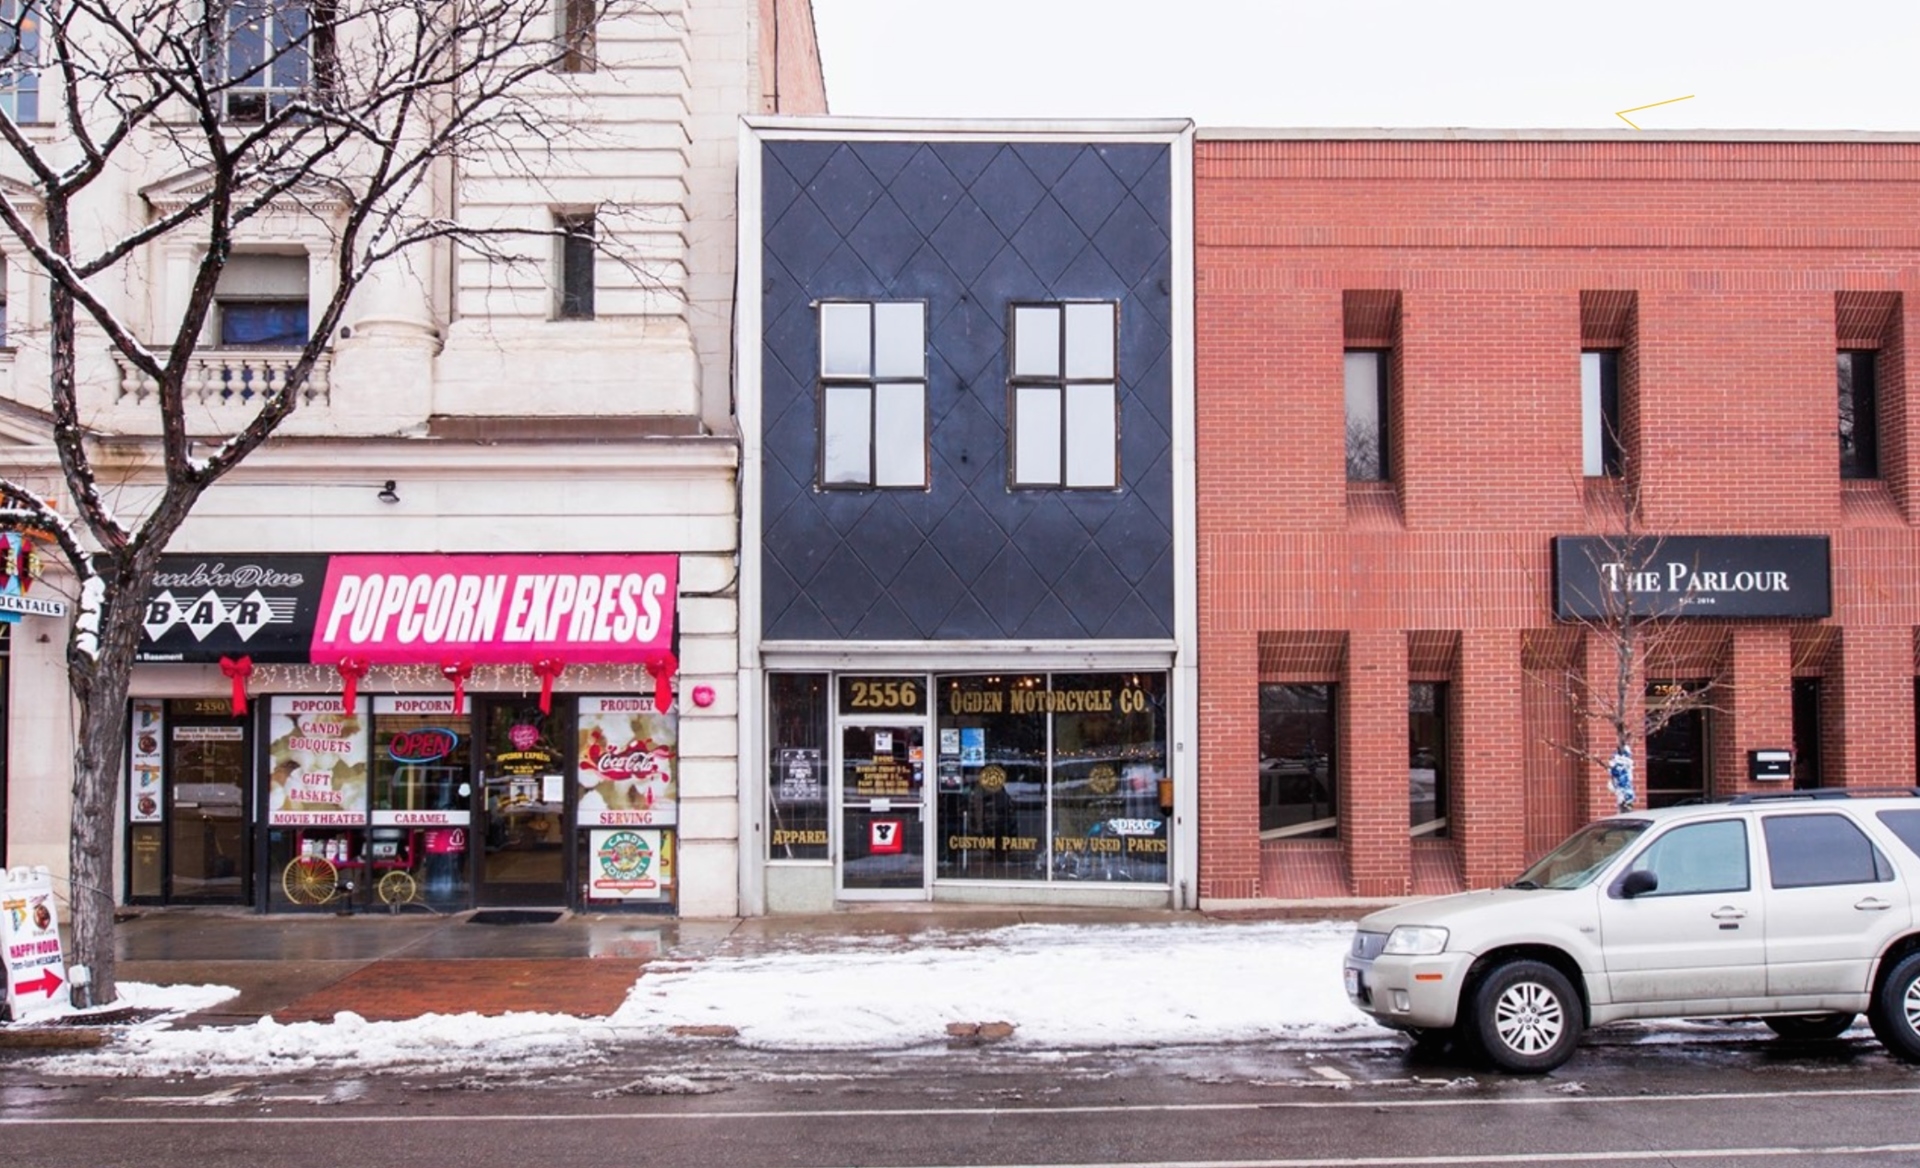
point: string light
(416, 678)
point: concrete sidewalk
(309, 968)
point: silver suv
(1797, 909)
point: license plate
(1353, 983)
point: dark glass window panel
(1859, 416)
(1109, 757)
(1676, 770)
(1427, 758)
(263, 324)
(1298, 785)
(990, 776)
(798, 723)
(576, 268)
(1811, 851)
(1906, 825)
(1367, 437)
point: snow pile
(1059, 986)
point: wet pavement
(386, 967)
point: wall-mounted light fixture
(388, 493)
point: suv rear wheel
(1526, 1017)
(1895, 1012)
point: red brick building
(1423, 359)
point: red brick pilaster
(1753, 704)
(1875, 695)
(1230, 767)
(1373, 764)
(1488, 816)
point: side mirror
(1638, 883)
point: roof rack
(1825, 793)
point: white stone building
(471, 414)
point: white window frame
(873, 424)
(1063, 395)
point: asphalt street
(1689, 1095)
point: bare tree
(1609, 589)
(351, 114)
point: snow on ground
(1061, 986)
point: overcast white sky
(1748, 64)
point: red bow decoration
(352, 669)
(457, 672)
(238, 669)
(548, 670)
(662, 667)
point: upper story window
(576, 266)
(261, 302)
(1063, 410)
(1368, 440)
(1859, 415)
(873, 394)
(1600, 412)
(271, 53)
(579, 20)
(20, 61)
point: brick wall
(1720, 265)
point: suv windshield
(1585, 852)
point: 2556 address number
(903, 695)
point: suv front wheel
(1526, 1017)
(1895, 1012)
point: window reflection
(1297, 775)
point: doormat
(512, 916)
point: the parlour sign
(1598, 578)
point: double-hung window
(873, 394)
(20, 61)
(261, 302)
(1064, 408)
(272, 52)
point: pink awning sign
(425, 609)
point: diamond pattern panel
(967, 227)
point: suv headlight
(1416, 941)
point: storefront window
(316, 796)
(422, 796)
(992, 777)
(1427, 757)
(1058, 777)
(799, 705)
(1298, 784)
(1110, 808)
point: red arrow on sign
(46, 983)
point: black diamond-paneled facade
(969, 227)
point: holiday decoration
(548, 670)
(352, 669)
(458, 672)
(238, 670)
(661, 666)
(1620, 778)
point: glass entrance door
(206, 814)
(883, 831)
(521, 816)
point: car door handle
(1873, 904)
(1730, 914)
